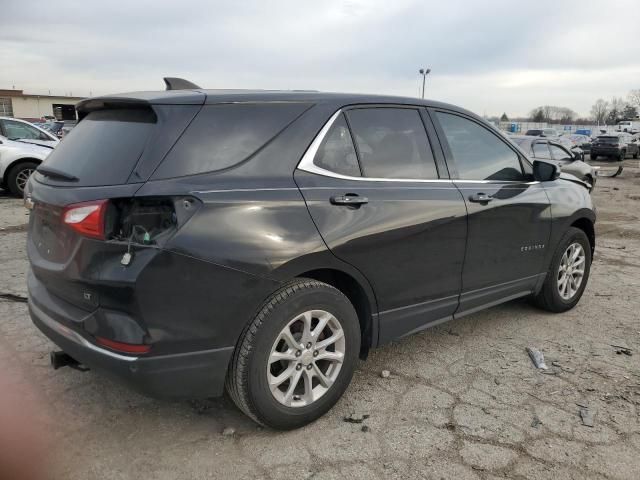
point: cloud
(489, 56)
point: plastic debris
(587, 417)
(536, 422)
(228, 432)
(356, 418)
(385, 373)
(537, 358)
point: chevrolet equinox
(190, 240)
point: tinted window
(478, 153)
(392, 143)
(559, 153)
(541, 150)
(105, 146)
(223, 135)
(337, 153)
(610, 140)
(22, 131)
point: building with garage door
(16, 103)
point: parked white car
(15, 129)
(18, 160)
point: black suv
(191, 239)
(617, 146)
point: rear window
(610, 140)
(103, 148)
(224, 135)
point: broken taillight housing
(87, 218)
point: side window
(19, 130)
(478, 153)
(224, 135)
(559, 153)
(541, 151)
(337, 153)
(392, 143)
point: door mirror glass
(545, 171)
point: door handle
(349, 199)
(480, 198)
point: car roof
(203, 96)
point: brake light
(87, 218)
(123, 347)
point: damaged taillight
(87, 218)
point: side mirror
(576, 155)
(545, 171)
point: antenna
(174, 83)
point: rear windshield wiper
(56, 174)
(30, 143)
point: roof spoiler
(174, 83)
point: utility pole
(424, 73)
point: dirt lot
(463, 400)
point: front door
(509, 216)
(381, 199)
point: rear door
(378, 190)
(509, 217)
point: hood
(27, 148)
(574, 179)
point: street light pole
(424, 73)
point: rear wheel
(19, 176)
(635, 155)
(296, 358)
(568, 274)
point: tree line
(602, 111)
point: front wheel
(296, 358)
(568, 274)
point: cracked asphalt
(463, 400)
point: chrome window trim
(306, 164)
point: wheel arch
(12, 165)
(587, 226)
(359, 297)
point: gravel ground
(462, 401)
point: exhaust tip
(61, 359)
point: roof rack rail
(174, 83)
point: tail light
(123, 347)
(87, 218)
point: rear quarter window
(222, 136)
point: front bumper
(197, 374)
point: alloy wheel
(306, 358)
(23, 177)
(571, 271)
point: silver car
(553, 150)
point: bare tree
(634, 98)
(616, 109)
(600, 110)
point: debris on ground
(455, 334)
(621, 349)
(496, 381)
(228, 432)
(536, 422)
(537, 358)
(12, 297)
(385, 373)
(365, 428)
(356, 418)
(587, 417)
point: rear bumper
(184, 375)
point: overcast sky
(489, 56)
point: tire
(15, 179)
(549, 298)
(622, 156)
(635, 155)
(593, 157)
(250, 369)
